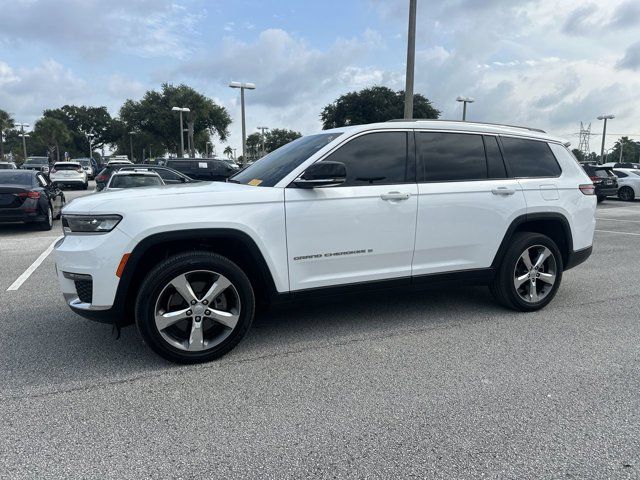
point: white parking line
(32, 268)
(617, 220)
(621, 233)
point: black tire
(156, 281)
(627, 194)
(502, 287)
(47, 223)
(601, 198)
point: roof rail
(463, 121)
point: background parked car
(133, 179)
(635, 166)
(214, 169)
(168, 175)
(603, 179)
(69, 173)
(29, 196)
(40, 164)
(628, 183)
(89, 165)
(7, 166)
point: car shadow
(54, 347)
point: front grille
(84, 288)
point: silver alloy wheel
(197, 310)
(50, 216)
(535, 273)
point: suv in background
(70, 174)
(169, 176)
(7, 166)
(370, 206)
(213, 169)
(603, 179)
(89, 165)
(40, 164)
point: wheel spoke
(548, 278)
(521, 279)
(196, 340)
(228, 319)
(219, 286)
(183, 287)
(165, 320)
(526, 259)
(546, 253)
(533, 291)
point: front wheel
(530, 273)
(194, 307)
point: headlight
(89, 223)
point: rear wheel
(627, 194)
(530, 273)
(194, 307)
(47, 223)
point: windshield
(273, 167)
(16, 177)
(66, 166)
(133, 181)
(85, 163)
(36, 161)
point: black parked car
(40, 164)
(213, 169)
(168, 175)
(29, 196)
(604, 179)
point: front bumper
(98, 256)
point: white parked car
(87, 166)
(119, 162)
(369, 206)
(69, 173)
(133, 179)
(628, 183)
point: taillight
(588, 189)
(29, 195)
(596, 179)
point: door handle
(395, 196)
(503, 191)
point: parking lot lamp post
(24, 137)
(464, 101)
(243, 87)
(181, 109)
(90, 137)
(262, 137)
(604, 134)
(131, 134)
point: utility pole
(131, 134)
(243, 87)
(24, 137)
(411, 61)
(604, 134)
(262, 138)
(181, 109)
(621, 148)
(90, 137)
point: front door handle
(395, 196)
(503, 191)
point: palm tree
(53, 132)
(6, 122)
(228, 151)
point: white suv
(370, 206)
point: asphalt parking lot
(436, 384)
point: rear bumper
(607, 192)
(576, 257)
(68, 181)
(20, 216)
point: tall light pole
(24, 137)
(90, 137)
(262, 130)
(411, 60)
(131, 134)
(464, 101)
(243, 87)
(604, 133)
(621, 148)
(181, 109)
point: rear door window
(529, 158)
(444, 157)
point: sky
(549, 64)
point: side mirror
(322, 174)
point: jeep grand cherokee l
(366, 206)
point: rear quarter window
(529, 158)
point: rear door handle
(395, 196)
(503, 191)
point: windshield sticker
(255, 182)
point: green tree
(228, 151)
(278, 137)
(578, 154)
(81, 121)
(52, 133)
(375, 104)
(158, 127)
(254, 145)
(6, 123)
(630, 151)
